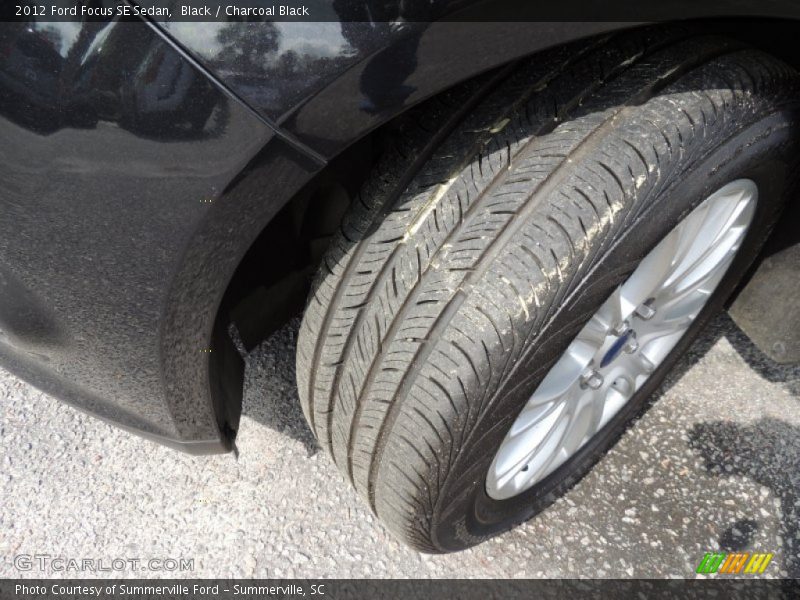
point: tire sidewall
(764, 152)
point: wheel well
(271, 282)
(277, 270)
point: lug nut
(591, 379)
(645, 312)
(631, 345)
(621, 329)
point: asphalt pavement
(714, 465)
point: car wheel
(528, 260)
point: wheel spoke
(581, 422)
(523, 446)
(564, 375)
(613, 311)
(718, 236)
(651, 272)
(551, 446)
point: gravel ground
(715, 464)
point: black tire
(503, 216)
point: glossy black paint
(327, 84)
(137, 166)
(114, 148)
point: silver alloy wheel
(624, 341)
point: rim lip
(744, 206)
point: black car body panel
(140, 161)
(113, 146)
